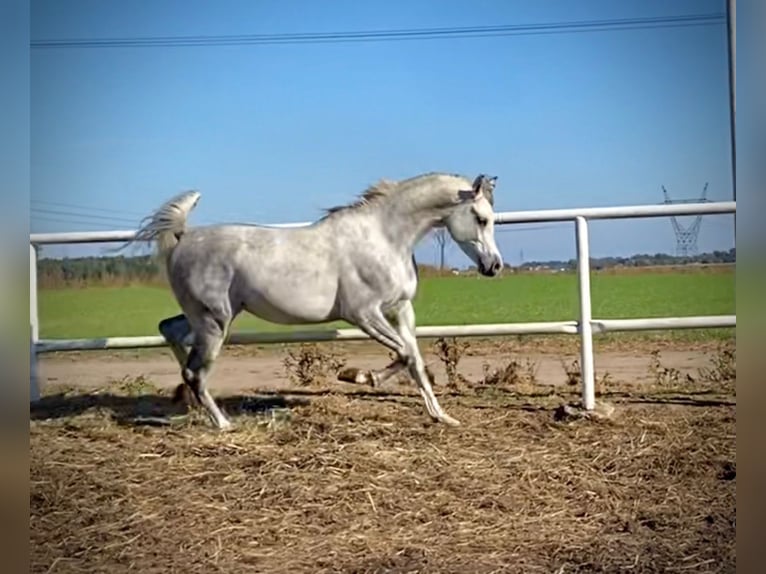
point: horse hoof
(348, 375)
(448, 420)
(225, 426)
(356, 376)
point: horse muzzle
(490, 267)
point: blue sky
(275, 133)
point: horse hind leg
(177, 332)
(208, 340)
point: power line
(85, 207)
(89, 218)
(388, 35)
(516, 229)
(84, 215)
(101, 224)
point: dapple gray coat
(354, 264)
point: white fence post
(34, 326)
(586, 328)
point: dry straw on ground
(363, 482)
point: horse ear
(485, 184)
(477, 183)
(490, 189)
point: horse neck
(405, 225)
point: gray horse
(355, 264)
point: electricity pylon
(686, 237)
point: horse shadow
(157, 409)
(151, 408)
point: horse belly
(288, 307)
(289, 282)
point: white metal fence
(585, 325)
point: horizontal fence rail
(503, 217)
(626, 212)
(117, 236)
(586, 326)
(486, 330)
(244, 338)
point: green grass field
(136, 310)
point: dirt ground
(322, 476)
(245, 369)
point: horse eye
(481, 221)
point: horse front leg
(376, 377)
(375, 324)
(405, 315)
(373, 377)
(402, 341)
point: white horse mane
(384, 188)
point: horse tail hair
(166, 225)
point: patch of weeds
(272, 420)
(449, 352)
(572, 371)
(723, 366)
(604, 382)
(308, 365)
(134, 386)
(665, 376)
(514, 373)
(573, 374)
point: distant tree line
(121, 270)
(638, 260)
(83, 271)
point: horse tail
(166, 225)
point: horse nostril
(496, 267)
